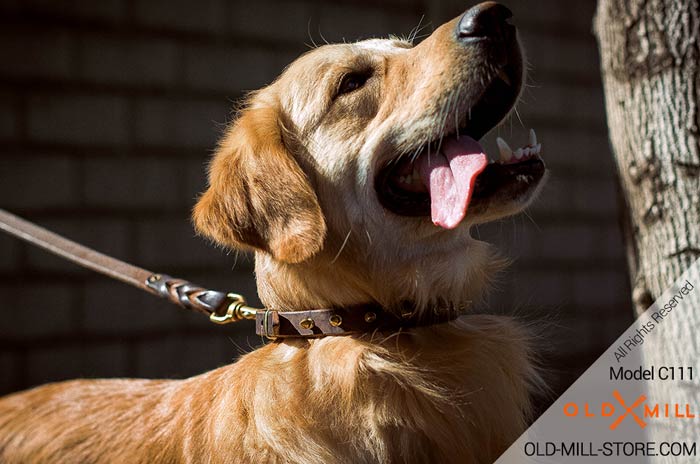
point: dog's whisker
(422, 36)
(308, 32)
(443, 117)
(239, 348)
(515, 110)
(345, 242)
(415, 30)
(322, 37)
(456, 110)
(414, 155)
(526, 213)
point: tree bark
(650, 66)
(649, 55)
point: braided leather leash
(220, 307)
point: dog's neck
(419, 394)
(420, 286)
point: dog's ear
(258, 196)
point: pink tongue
(450, 176)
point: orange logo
(608, 409)
(628, 411)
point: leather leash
(220, 307)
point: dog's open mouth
(453, 171)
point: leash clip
(237, 311)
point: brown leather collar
(221, 307)
(338, 321)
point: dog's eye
(351, 82)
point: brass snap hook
(237, 311)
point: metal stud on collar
(335, 320)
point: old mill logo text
(637, 411)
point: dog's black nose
(485, 20)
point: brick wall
(109, 111)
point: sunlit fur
(293, 181)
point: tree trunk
(650, 58)
(649, 54)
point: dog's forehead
(307, 78)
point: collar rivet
(335, 320)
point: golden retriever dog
(355, 177)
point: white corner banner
(639, 402)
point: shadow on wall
(109, 112)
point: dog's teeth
(526, 152)
(518, 153)
(503, 76)
(538, 148)
(506, 152)
(533, 138)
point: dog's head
(357, 174)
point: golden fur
(292, 182)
